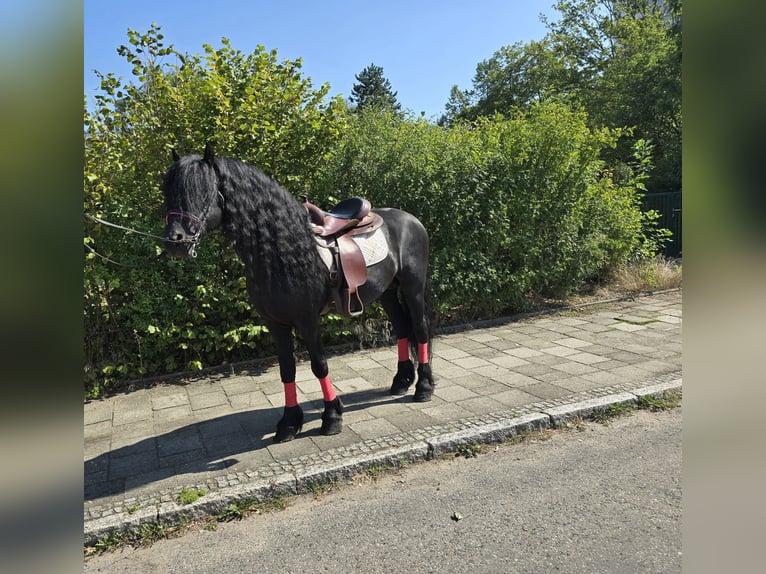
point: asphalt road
(602, 499)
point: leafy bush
(515, 207)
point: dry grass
(646, 276)
(650, 275)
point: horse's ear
(208, 157)
(176, 157)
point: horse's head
(193, 201)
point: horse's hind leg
(415, 293)
(400, 320)
(332, 417)
(291, 422)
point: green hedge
(516, 207)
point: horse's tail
(429, 313)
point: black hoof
(424, 388)
(332, 417)
(290, 424)
(423, 393)
(405, 374)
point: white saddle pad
(373, 245)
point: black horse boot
(424, 388)
(290, 424)
(405, 374)
(332, 417)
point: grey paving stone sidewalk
(215, 433)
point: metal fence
(668, 205)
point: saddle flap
(352, 261)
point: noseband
(199, 220)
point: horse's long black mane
(268, 227)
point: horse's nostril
(178, 237)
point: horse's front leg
(332, 417)
(291, 422)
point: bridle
(200, 221)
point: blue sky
(424, 46)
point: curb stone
(560, 415)
(488, 433)
(391, 451)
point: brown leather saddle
(334, 230)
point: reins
(123, 228)
(129, 229)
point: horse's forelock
(188, 184)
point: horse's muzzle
(177, 242)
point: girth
(334, 231)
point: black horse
(288, 283)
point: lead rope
(128, 229)
(129, 265)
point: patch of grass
(575, 422)
(273, 503)
(320, 488)
(604, 414)
(233, 511)
(146, 535)
(111, 541)
(468, 450)
(151, 532)
(654, 274)
(377, 470)
(236, 510)
(189, 495)
(663, 402)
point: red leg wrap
(403, 346)
(291, 395)
(422, 353)
(327, 391)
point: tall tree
(619, 60)
(374, 90)
(627, 54)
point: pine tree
(374, 90)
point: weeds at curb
(189, 495)
(240, 509)
(468, 450)
(663, 402)
(604, 414)
(376, 471)
(320, 488)
(146, 535)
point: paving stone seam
(300, 474)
